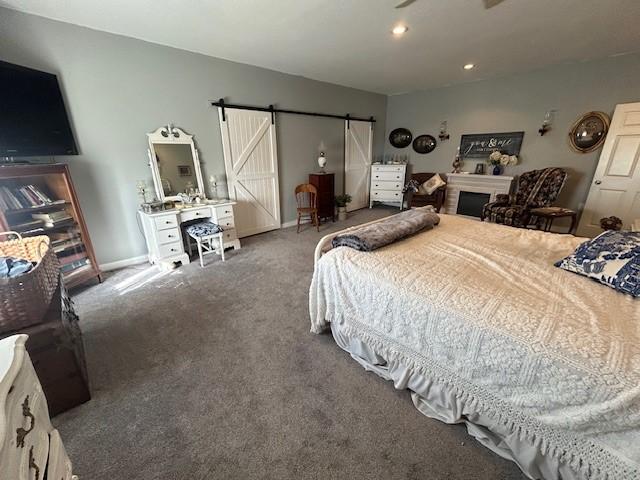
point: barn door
(615, 188)
(358, 138)
(251, 163)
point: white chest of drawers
(164, 236)
(30, 448)
(387, 182)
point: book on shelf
(28, 226)
(67, 247)
(69, 267)
(58, 238)
(25, 196)
(52, 219)
(70, 252)
(72, 258)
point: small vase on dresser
(30, 448)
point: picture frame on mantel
(481, 145)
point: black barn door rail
(221, 103)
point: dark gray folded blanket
(395, 227)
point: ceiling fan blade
(491, 3)
(406, 3)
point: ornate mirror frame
(603, 117)
(175, 136)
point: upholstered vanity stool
(205, 234)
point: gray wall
(517, 103)
(117, 89)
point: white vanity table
(164, 236)
(177, 176)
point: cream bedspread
(481, 308)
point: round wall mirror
(400, 138)
(588, 132)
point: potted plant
(341, 203)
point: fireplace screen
(471, 203)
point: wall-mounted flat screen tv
(33, 119)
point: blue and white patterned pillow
(612, 258)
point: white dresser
(387, 182)
(30, 448)
(164, 236)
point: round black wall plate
(400, 138)
(424, 144)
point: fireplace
(468, 192)
(471, 203)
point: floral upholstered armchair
(538, 188)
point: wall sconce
(546, 123)
(443, 132)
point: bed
(541, 364)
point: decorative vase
(497, 170)
(342, 213)
(322, 161)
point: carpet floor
(211, 373)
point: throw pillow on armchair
(431, 185)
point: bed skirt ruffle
(439, 401)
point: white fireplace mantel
(471, 182)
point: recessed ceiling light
(399, 29)
(468, 66)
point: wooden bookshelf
(69, 235)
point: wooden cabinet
(29, 446)
(325, 184)
(41, 200)
(56, 351)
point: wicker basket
(25, 299)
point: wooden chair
(307, 202)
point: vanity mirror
(174, 163)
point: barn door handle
(598, 182)
(21, 433)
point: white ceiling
(348, 42)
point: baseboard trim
(293, 223)
(106, 267)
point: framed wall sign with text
(481, 145)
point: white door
(358, 139)
(251, 163)
(615, 188)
